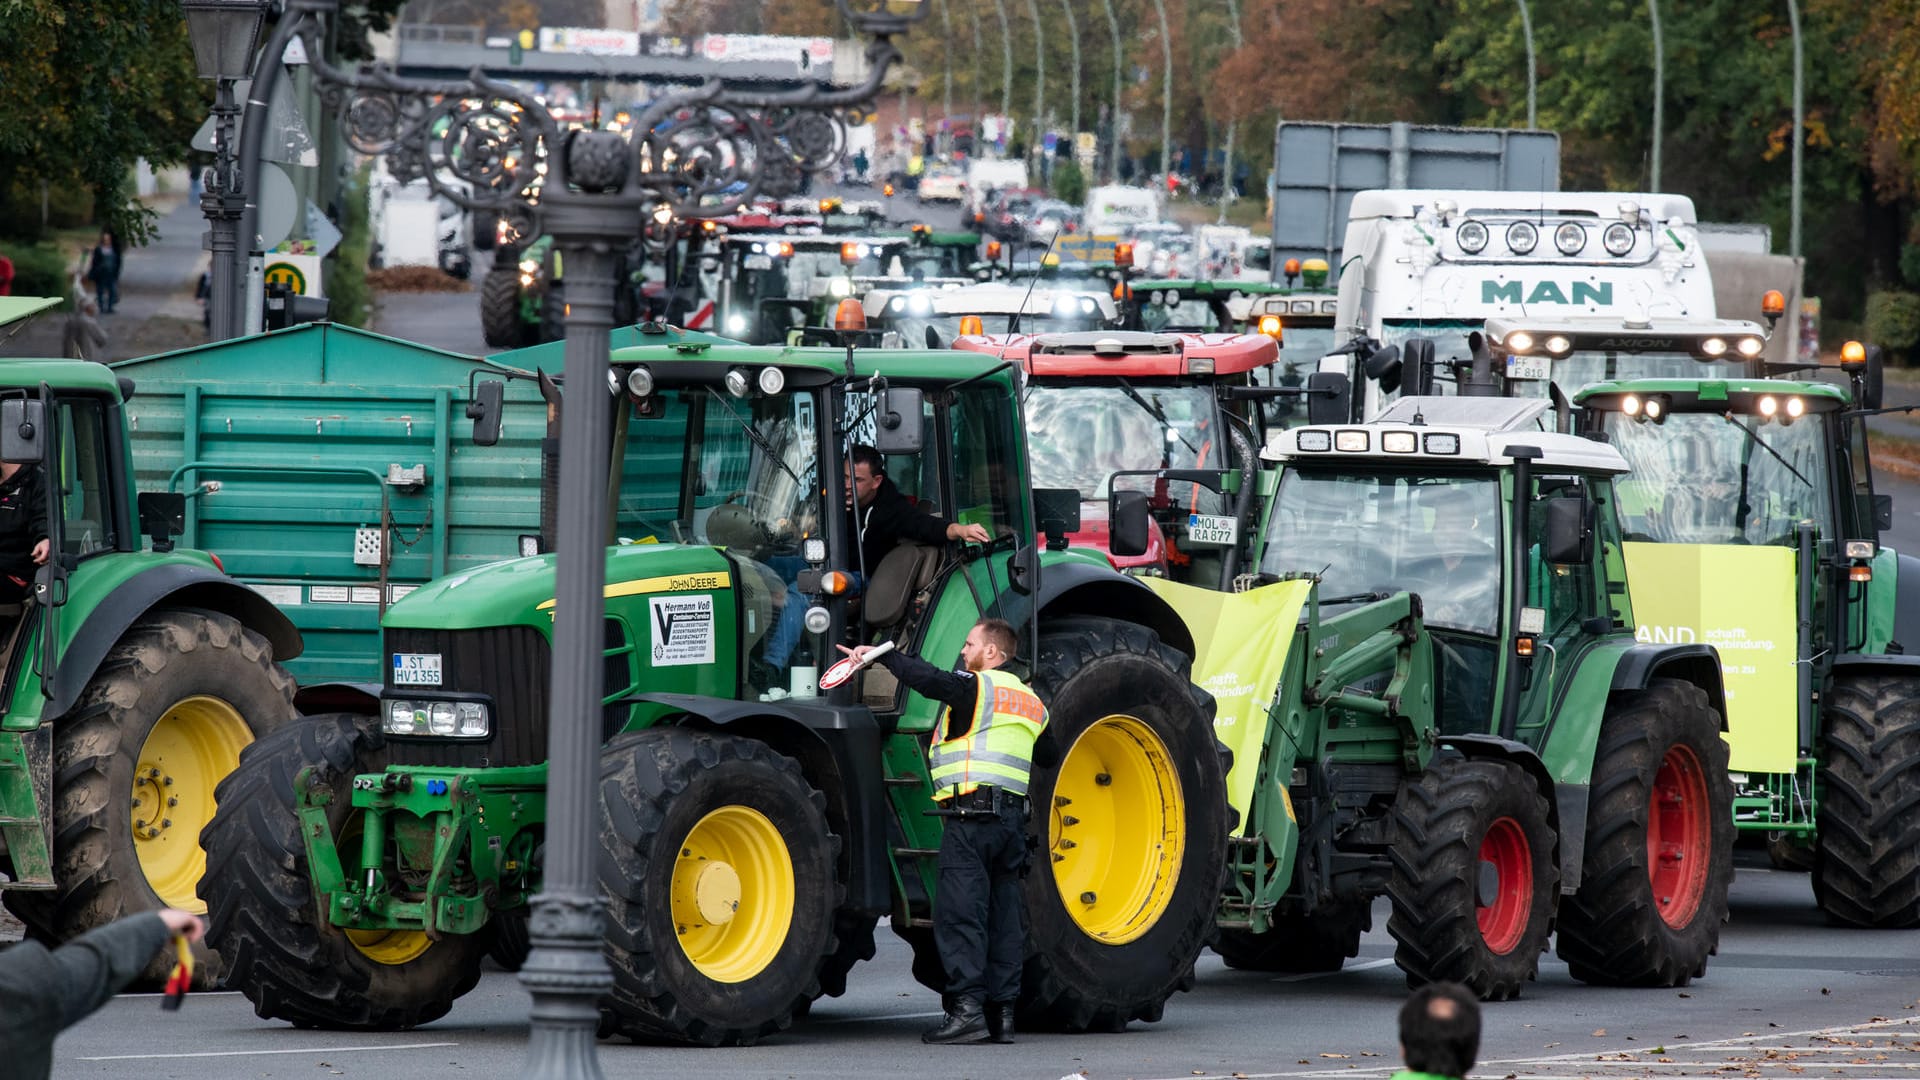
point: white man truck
(1438, 264)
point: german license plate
(416, 669)
(1212, 529)
(759, 262)
(1529, 367)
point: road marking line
(1595, 1056)
(1362, 966)
(251, 1053)
(879, 1016)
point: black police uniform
(979, 923)
(23, 523)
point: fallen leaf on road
(1598, 1032)
(1335, 1055)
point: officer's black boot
(1000, 1021)
(965, 1022)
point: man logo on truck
(1547, 292)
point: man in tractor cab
(884, 518)
(23, 529)
(981, 757)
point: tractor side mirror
(1569, 539)
(1329, 398)
(1058, 512)
(1128, 521)
(898, 429)
(21, 422)
(1416, 367)
(163, 516)
(1384, 367)
(933, 339)
(1883, 512)
(489, 399)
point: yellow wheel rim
(191, 747)
(389, 946)
(1118, 829)
(733, 894)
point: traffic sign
(299, 273)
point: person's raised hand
(184, 923)
(975, 534)
(858, 652)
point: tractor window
(1714, 478)
(1437, 536)
(82, 471)
(1083, 431)
(986, 462)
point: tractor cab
(938, 318)
(1114, 409)
(770, 285)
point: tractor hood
(521, 590)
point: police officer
(981, 756)
(23, 529)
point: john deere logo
(287, 274)
(1546, 292)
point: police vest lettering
(998, 750)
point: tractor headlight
(771, 380)
(1471, 236)
(1714, 346)
(440, 718)
(1570, 237)
(1750, 346)
(1521, 237)
(448, 719)
(640, 382)
(1618, 238)
(736, 324)
(401, 721)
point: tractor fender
(1077, 588)
(1906, 602)
(171, 585)
(1904, 666)
(838, 748)
(1566, 803)
(1697, 663)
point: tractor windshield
(704, 467)
(1714, 478)
(1083, 431)
(1438, 536)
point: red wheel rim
(1678, 834)
(1503, 922)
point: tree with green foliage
(87, 90)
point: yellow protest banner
(1241, 642)
(1739, 600)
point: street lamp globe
(224, 33)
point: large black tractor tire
(1867, 863)
(500, 306)
(1474, 877)
(262, 914)
(1315, 943)
(553, 313)
(511, 941)
(1130, 825)
(135, 765)
(1659, 845)
(720, 873)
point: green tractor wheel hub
(191, 746)
(1506, 862)
(1679, 828)
(1118, 831)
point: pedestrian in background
(44, 991)
(83, 338)
(980, 760)
(1439, 1033)
(103, 269)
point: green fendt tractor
(1752, 524)
(132, 678)
(1569, 779)
(753, 829)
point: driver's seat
(897, 591)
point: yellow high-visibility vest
(1007, 717)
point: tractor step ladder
(908, 855)
(29, 847)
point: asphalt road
(1787, 996)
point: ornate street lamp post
(223, 34)
(478, 142)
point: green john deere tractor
(753, 828)
(1752, 519)
(1457, 714)
(132, 678)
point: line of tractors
(1404, 657)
